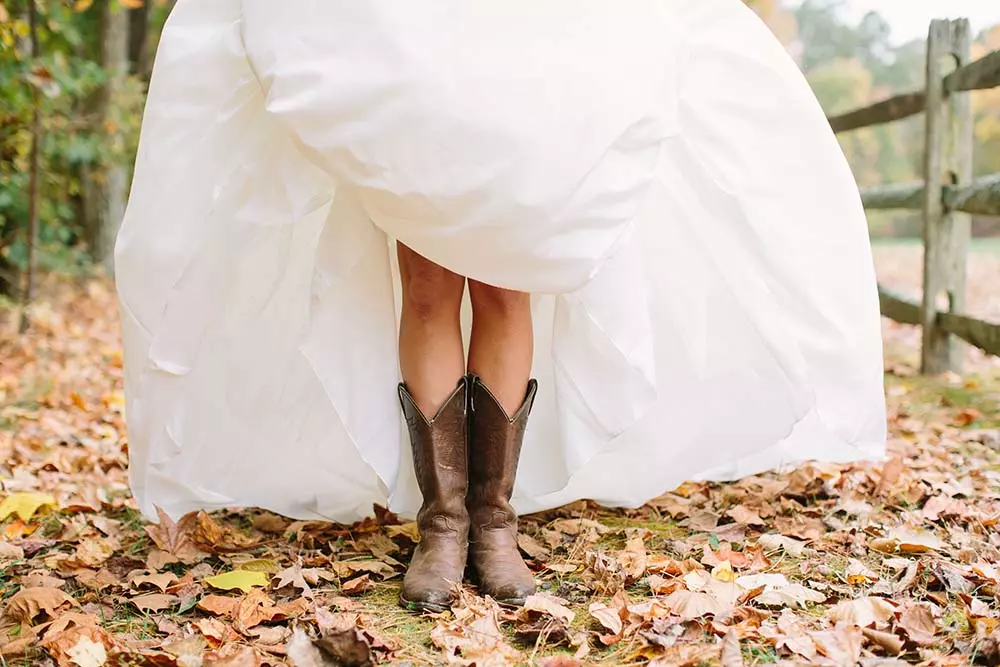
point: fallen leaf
(24, 505)
(842, 645)
(918, 622)
(473, 637)
(408, 530)
(790, 545)
(77, 642)
(87, 653)
(914, 541)
(356, 586)
(174, 539)
(532, 547)
(216, 537)
(154, 601)
(887, 641)
(232, 656)
(778, 591)
(732, 655)
(548, 604)
(691, 604)
(28, 603)
(243, 580)
(220, 605)
(160, 580)
(744, 516)
(867, 612)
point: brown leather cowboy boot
(494, 447)
(440, 460)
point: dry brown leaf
(216, 537)
(532, 547)
(732, 655)
(841, 645)
(29, 603)
(918, 622)
(633, 558)
(745, 516)
(549, 604)
(215, 632)
(914, 541)
(346, 643)
(161, 580)
(232, 656)
(220, 605)
(790, 545)
(867, 612)
(154, 601)
(79, 645)
(692, 604)
(157, 560)
(356, 586)
(473, 637)
(175, 539)
(91, 553)
(888, 642)
(608, 617)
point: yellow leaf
(241, 579)
(24, 505)
(131, 4)
(724, 572)
(265, 565)
(82, 5)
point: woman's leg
(502, 342)
(502, 395)
(431, 356)
(434, 398)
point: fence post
(947, 162)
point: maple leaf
(174, 539)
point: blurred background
(75, 85)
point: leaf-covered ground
(826, 565)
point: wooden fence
(948, 195)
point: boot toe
(510, 593)
(435, 600)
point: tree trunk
(36, 140)
(115, 60)
(138, 40)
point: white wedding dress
(656, 173)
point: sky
(910, 18)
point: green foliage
(65, 79)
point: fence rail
(982, 197)
(947, 196)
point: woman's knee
(491, 301)
(429, 290)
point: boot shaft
(440, 448)
(494, 450)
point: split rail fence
(948, 195)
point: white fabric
(656, 173)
